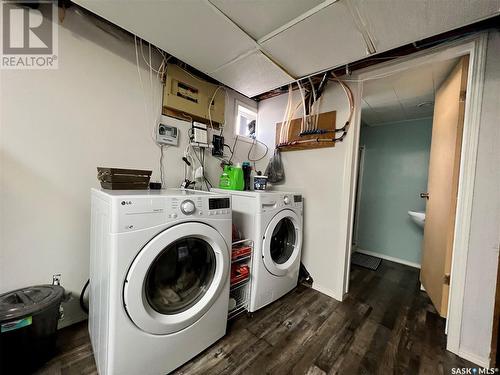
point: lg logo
(126, 203)
(29, 37)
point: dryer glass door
(282, 242)
(176, 278)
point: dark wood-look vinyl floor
(385, 326)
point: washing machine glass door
(282, 242)
(176, 278)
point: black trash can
(28, 325)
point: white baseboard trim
(389, 258)
(477, 360)
(326, 291)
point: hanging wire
(234, 148)
(255, 141)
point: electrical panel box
(189, 95)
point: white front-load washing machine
(273, 220)
(159, 277)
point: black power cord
(82, 294)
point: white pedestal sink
(417, 217)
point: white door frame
(359, 190)
(474, 46)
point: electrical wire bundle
(309, 102)
(290, 110)
(313, 99)
(350, 98)
(152, 110)
(307, 129)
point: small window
(246, 120)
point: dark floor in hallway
(386, 325)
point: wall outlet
(56, 279)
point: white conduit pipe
(286, 115)
(311, 108)
(303, 109)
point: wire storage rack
(241, 262)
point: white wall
(320, 175)
(56, 128)
(484, 242)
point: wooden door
(442, 187)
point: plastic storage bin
(28, 324)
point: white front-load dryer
(273, 220)
(159, 277)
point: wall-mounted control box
(199, 134)
(167, 132)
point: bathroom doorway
(474, 47)
(408, 171)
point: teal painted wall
(395, 173)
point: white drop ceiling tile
(390, 113)
(379, 92)
(252, 75)
(415, 101)
(415, 112)
(326, 39)
(192, 31)
(260, 17)
(369, 117)
(364, 104)
(380, 98)
(406, 89)
(441, 71)
(411, 85)
(393, 23)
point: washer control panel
(137, 213)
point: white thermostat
(167, 132)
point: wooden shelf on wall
(326, 122)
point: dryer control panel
(279, 201)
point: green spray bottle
(232, 178)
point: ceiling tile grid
(326, 39)
(193, 31)
(258, 72)
(258, 18)
(298, 37)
